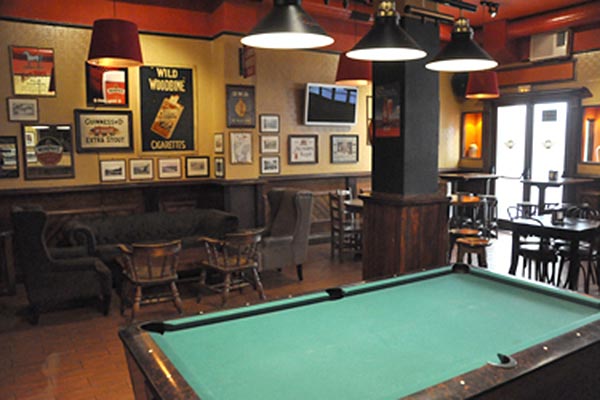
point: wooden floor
(76, 353)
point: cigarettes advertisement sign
(167, 108)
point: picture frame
(269, 123)
(219, 143)
(169, 168)
(197, 167)
(303, 149)
(47, 151)
(344, 149)
(106, 86)
(9, 157)
(240, 106)
(590, 134)
(32, 71)
(22, 109)
(112, 170)
(269, 144)
(220, 167)
(103, 131)
(241, 147)
(387, 111)
(270, 165)
(141, 169)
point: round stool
(472, 245)
(457, 233)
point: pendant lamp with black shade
(386, 41)
(482, 85)
(287, 26)
(115, 43)
(462, 54)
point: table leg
(574, 264)
(514, 256)
(541, 199)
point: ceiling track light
(492, 7)
(457, 4)
(462, 54)
(427, 13)
(287, 26)
(386, 41)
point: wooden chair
(346, 231)
(150, 267)
(234, 257)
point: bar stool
(455, 233)
(473, 245)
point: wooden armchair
(234, 257)
(150, 266)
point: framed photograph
(269, 123)
(219, 143)
(196, 167)
(141, 169)
(32, 71)
(269, 144)
(48, 151)
(303, 149)
(344, 148)
(241, 147)
(103, 131)
(22, 110)
(240, 106)
(387, 110)
(269, 165)
(112, 170)
(220, 167)
(9, 157)
(169, 168)
(106, 86)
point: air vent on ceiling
(549, 45)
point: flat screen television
(330, 104)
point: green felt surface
(378, 345)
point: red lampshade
(482, 85)
(115, 43)
(353, 72)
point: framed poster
(32, 71)
(167, 96)
(344, 148)
(106, 86)
(241, 147)
(220, 167)
(387, 111)
(103, 131)
(269, 144)
(112, 170)
(240, 106)
(9, 157)
(196, 167)
(269, 123)
(169, 168)
(269, 165)
(590, 134)
(219, 143)
(303, 149)
(48, 151)
(22, 110)
(141, 169)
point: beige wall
(279, 82)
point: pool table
(452, 332)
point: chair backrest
(584, 211)
(239, 250)
(152, 262)
(29, 224)
(337, 210)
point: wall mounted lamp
(287, 26)
(386, 41)
(462, 54)
(115, 43)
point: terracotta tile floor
(76, 354)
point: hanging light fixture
(462, 54)
(482, 85)
(353, 72)
(386, 41)
(287, 26)
(115, 43)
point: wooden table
(456, 177)
(574, 230)
(542, 184)
(354, 205)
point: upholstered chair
(285, 241)
(51, 283)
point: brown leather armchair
(51, 282)
(285, 241)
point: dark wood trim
(317, 176)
